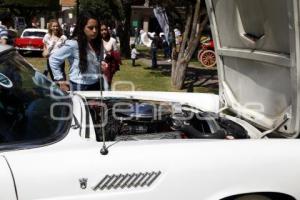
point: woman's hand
(104, 66)
(64, 85)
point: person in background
(165, 46)
(111, 53)
(109, 43)
(109, 31)
(53, 40)
(35, 22)
(72, 28)
(171, 42)
(114, 34)
(140, 38)
(66, 30)
(134, 54)
(3, 34)
(7, 32)
(154, 46)
(84, 53)
(136, 36)
(178, 39)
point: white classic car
(156, 145)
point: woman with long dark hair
(53, 40)
(85, 56)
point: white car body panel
(6, 181)
(249, 69)
(218, 171)
(54, 171)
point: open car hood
(258, 54)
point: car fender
(7, 182)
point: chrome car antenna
(104, 149)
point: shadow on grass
(201, 78)
(195, 77)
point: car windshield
(34, 34)
(31, 107)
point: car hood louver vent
(123, 181)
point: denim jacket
(70, 51)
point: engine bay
(132, 119)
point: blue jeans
(154, 57)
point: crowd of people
(91, 51)
(157, 42)
(90, 47)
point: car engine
(129, 119)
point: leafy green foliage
(105, 9)
(28, 8)
(50, 4)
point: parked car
(160, 145)
(31, 40)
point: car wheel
(253, 197)
(208, 58)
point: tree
(124, 28)
(29, 8)
(195, 20)
(105, 9)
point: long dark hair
(82, 39)
(107, 25)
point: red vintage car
(31, 40)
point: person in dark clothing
(154, 46)
(165, 47)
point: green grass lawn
(141, 77)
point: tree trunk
(124, 34)
(179, 66)
(179, 74)
(191, 38)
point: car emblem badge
(5, 81)
(83, 183)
